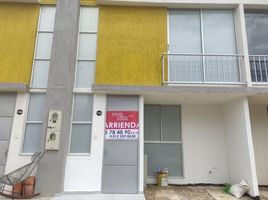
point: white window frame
(33, 90)
(89, 89)
(202, 36)
(82, 91)
(80, 122)
(35, 50)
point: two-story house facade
(138, 85)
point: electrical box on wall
(53, 130)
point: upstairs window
(257, 33)
(87, 45)
(204, 44)
(43, 47)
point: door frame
(140, 143)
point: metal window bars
(259, 68)
(201, 68)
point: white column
(239, 144)
(243, 44)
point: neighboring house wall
(60, 94)
(131, 41)
(7, 105)
(15, 158)
(259, 124)
(18, 25)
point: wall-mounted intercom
(53, 130)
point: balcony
(259, 68)
(201, 68)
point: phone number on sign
(121, 134)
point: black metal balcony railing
(259, 68)
(201, 68)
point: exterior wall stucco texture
(82, 2)
(18, 25)
(131, 41)
(48, 2)
(88, 2)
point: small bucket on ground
(162, 177)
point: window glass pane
(152, 122)
(219, 32)
(44, 44)
(82, 110)
(219, 38)
(32, 138)
(47, 18)
(184, 31)
(257, 32)
(122, 103)
(164, 156)
(89, 19)
(185, 37)
(3, 157)
(40, 74)
(85, 74)
(81, 138)
(7, 104)
(171, 123)
(6, 125)
(36, 107)
(87, 46)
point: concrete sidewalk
(93, 197)
(101, 197)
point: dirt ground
(172, 192)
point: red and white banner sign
(122, 125)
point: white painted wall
(204, 148)
(83, 173)
(259, 125)
(15, 159)
(240, 153)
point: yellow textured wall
(48, 2)
(131, 41)
(88, 2)
(18, 26)
(82, 2)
